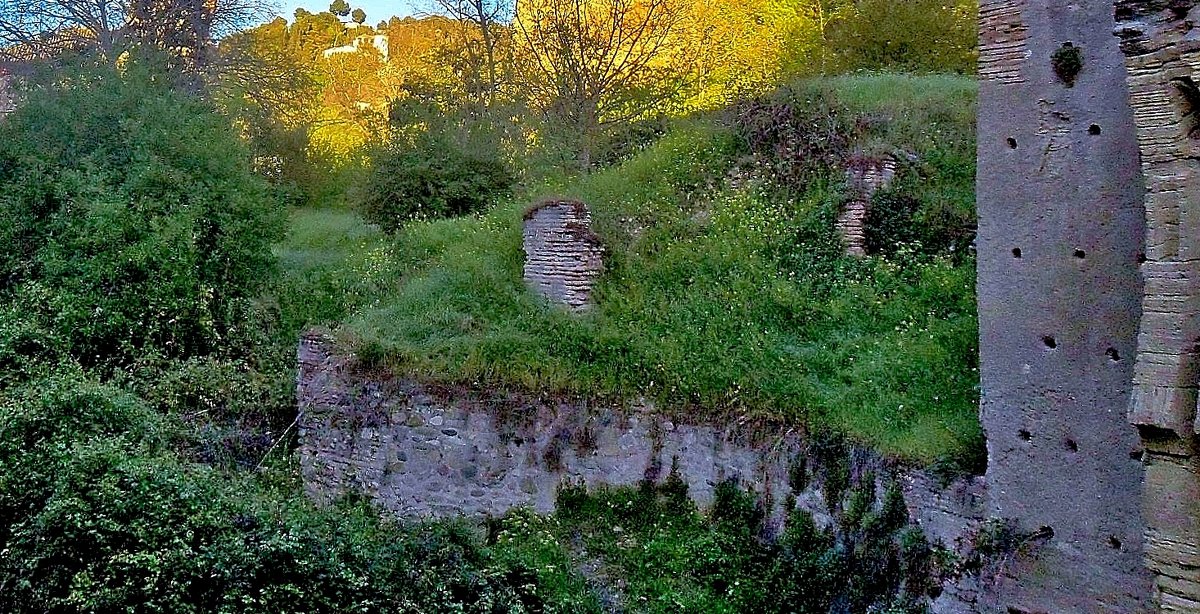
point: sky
(376, 9)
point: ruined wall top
(563, 257)
(864, 177)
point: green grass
(332, 263)
(720, 298)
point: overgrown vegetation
(143, 371)
(174, 214)
(726, 290)
(671, 557)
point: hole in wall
(1016, 252)
(1136, 454)
(1024, 435)
(1050, 342)
(1113, 542)
(1094, 129)
(1012, 143)
(1080, 254)
(1141, 258)
(1071, 444)
(1113, 354)
(1043, 533)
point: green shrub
(131, 222)
(98, 514)
(430, 181)
(443, 161)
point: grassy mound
(725, 292)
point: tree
(40, 28)
(488, 18)
(598, 64)
(313, 33)
(359, 16)
(107, 28)
(911, 35)
(340, 8)
(808, 49)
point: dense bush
(131, 223)
(97, 514)
(897, 219)
(798, 132)
(431, 181)
(441, 163)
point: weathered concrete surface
(562, 256)
(864, 177)
(1162, 50)
(1060, 227)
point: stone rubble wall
(1059, 193)
(420, 452)
(562, 256)
(8, 99)
(864, 177)
(1162, 54)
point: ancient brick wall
(419, 451)
(1163, 55)
(864, 177)
(1060, 226)
(562, 255)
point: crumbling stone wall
(419, 451)
(1163, 57)
(562, 255)
(423, 453)
(864, 177)
(1060, 227)
(8, 100)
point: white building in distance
(379, 42)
